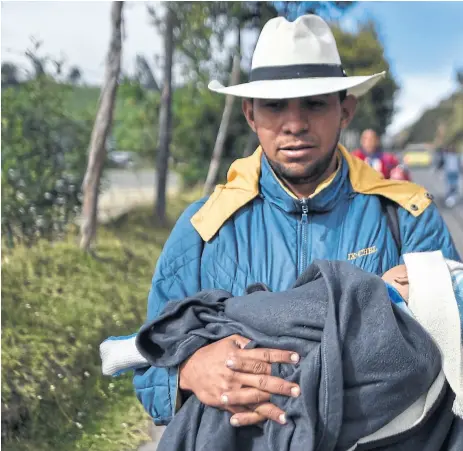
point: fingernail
(282, 418)
(224, 399)
(294, 358)
(295, 392)
(234, 422)
(230, 363)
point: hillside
(448, 112)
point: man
(452, 165)
(299, 197)
(384, 162)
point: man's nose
(295, 121)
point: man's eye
(316, 104)
(274, 105)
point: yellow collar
(243, 186)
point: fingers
(270, 355)
(237, 409)
(249, 366)
(258, 361)
(269, 384)
(261, 413)
(244, 396)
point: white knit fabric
(433, 303)
(119, 354)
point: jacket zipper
(304, 230)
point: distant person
(452, 165)
(384, 162)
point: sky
(423, 42)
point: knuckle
(270, 412)
(232, 355)
(266, 355)
(259, 367)
(228, 377)
(262, 382)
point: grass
(58, 304)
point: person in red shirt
(384, 162)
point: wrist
(182, 380)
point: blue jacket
(253, 230)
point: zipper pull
(305, 209)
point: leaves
(362, 53)
(43, 161)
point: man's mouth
(297, 151)
(297, 147)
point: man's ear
(248, 111)
(348, 106)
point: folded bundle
(370, 375)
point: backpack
(389, 209)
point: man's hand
(225, 375)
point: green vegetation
(43, 160)
(362, 53)
(58, 304)
(447, 114)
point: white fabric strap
(119, 354)
(432, 301)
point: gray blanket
(363, 362)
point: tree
(144, 74)
(223, 129)
(38, 62)
(165, 119)
(136, 112)
(43, 161)
(362, 54)
(74, 75)
(9, 74)
(459, 76)
(102, 126)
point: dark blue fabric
(362, 363)
(270, 241)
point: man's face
(369, 141)
(299, 136)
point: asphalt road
(135, 178)
(434, 182)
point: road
(124, 189)
(434, 183)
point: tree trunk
(223, 129)
(165, 118)
(101, 128)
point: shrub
(43, 161)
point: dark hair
(342, 95)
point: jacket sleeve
(177, 275)
(427, 232)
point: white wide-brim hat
(297, 59)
